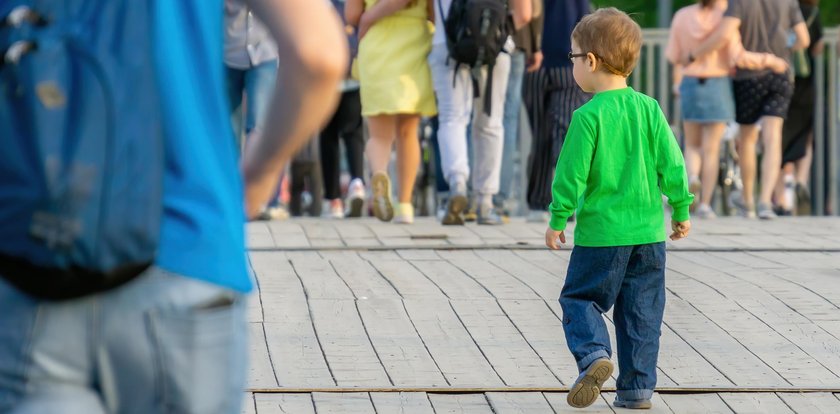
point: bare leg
(712, 134)
(771, 137)
(803, 165)
(693, 143)
(408, 155)
(747, 138)
(383, 130)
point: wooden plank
(364, 281)
(755, 403)
(347, 348)
(248, 404)
(544, 332)
(726, 354)
(254, 307)
(460, 404)
(518, 403)
(413, 254)
(812, 403)
(261, 374)
(319, 278)
(495, 280)
(777, 351)
(659, 405)
(547, 285)
(459, 358)
(696, 404)
(292, 344)
(287, 233)
(454, 283)
(558, 403)
(401, 403)
(503, 345)
(400, 348)
(343, 403)
(258, 235)
(406, 279)
(284, 403)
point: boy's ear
(591, 62)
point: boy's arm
(670, 168)
(572, 171)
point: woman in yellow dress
(396, 90)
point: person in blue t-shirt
(174, 338)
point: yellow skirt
(393, 70)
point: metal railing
(653, 77)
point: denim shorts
(707, 99)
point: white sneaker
(355, 198)
(336, 209)
(404, 213)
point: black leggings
(345, 124)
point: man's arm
(803, 38)
(725, 30)
(522, 12)
(313, 54)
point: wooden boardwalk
(406, 315)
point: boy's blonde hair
(614, 38)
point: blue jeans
(631, 278)
(513, 104)
(160, 343)
(258, 84)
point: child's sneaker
(633, 404)
(382, 208)
(355, 198)
(404, 213)
(587, 386)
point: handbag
(801, 62)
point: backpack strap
(488, 89)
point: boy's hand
(551, 237)
(680, 228)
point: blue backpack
(81, 145)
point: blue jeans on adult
(160, 343)
(513, 104)
(631, 278)
(258, 84)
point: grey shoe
(382, 207)
(489, 216)
(633, 404)
(704, 211)
(737, 201)
(765, 212)
(587, 387)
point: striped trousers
(550, 96)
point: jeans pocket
(200, 356)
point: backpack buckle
(15, 52)
(22, 14)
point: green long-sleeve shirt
(618, 158)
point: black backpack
(476, 32)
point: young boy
(618, 157)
